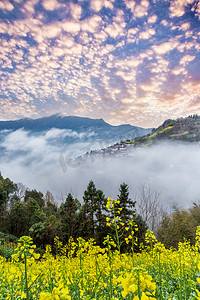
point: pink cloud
(152, 19)
(186, 59)
(50, 4)
(97, 5)
(6, 5)
(177, 7)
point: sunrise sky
(125, 61)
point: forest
(29, 212)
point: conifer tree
(126, 203)
(93, 211)
(89, 199)
(69, 217)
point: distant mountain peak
(100, 128)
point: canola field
(83, 270)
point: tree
(195, 213)
(100, 217)
(127, 205)
(21, 188)
(89, 199)
(140, 234)
(51, 207)
(176, 227)
(9, 187)
(18, 220)
(149, 207)
(4, 222)
(34, 213)
(69, 217)
(3, 197)
(93, 213)
(34, 195)
(18, 194)
(128, 213)
(7, 190)
(39, 233)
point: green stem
(116, 231)
(160, 279)
(139, 289)
(110, 264)
(26, 276)
(181, 280)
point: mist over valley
(45, 160)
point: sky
(126, 61)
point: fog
(41, 161)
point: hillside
(183, 129)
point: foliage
(7, 248)
(93, 212)
(177, 227)
(43, 219)
(34, 195)
(126, 203)
(69, 217)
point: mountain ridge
(58, 118)
(100, 128)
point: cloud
(130, 4)
(71, 27)
(177, 7)
(152, 19)
(170, 169)
(164, 22)
(6, 5)
(49, 141)
(185, 26)
(165, 47)
(29, 7)
(138, 10)
(76, 11)
(147, 34)
(91, 24)
(197, 10)
(115, 30)
(50, 4)
(97, 5)
(186, 59)
(141, 9)
(53, 54)
(179, 70)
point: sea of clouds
(42, 161)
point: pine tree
(69, 217)
(94, 213)
(127, 205)
(89, 199)
(128, 213)
(100, 218)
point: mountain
(183, 129)
(97, 128)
